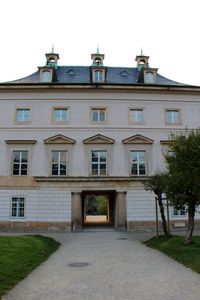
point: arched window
(46, 76)
(98, 75)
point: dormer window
(98, 75)
(124, 73)
(149, 77)
(71, 72)
(46, 76)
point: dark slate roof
(114, 75)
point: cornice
(99, 86)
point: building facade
(68, 133)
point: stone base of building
(150, 226)
(36, 226)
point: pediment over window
(59, 139)
(137, 139)
(20, 142)
(99, 139)
(165, 142)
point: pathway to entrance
(107, 266)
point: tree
(183, 183)
(157, 184)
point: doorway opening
(98, 208)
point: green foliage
(183, 183)
(97, 205)
(175, 248)
(157, 183)
(19, 255)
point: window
(149, 77)
(99, 115)
(23, 115)
(20, 163)
(17, 207)
(179, 212)
(170, 153)
(59, 163)
(136, 115)
(138, 163)
(98, 76)
(172, 116)
(99, 163)
(60, 115)
(46, 76)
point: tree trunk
(191, 213)
(162, 213)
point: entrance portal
(98, 208)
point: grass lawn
(175, 248)
(19, 255)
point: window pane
(55, 157)
(102, 156)
(62, 169)
(102, 115)
(60, 115)
(15, 169)
(46, 76)
(94, 156)
(54, 169)
(19, 115)
(98, 76)
(24, 156)
(136, 115)
(95, 115)
(134, 156)
(63, 157)
(94, 166)
(149, 77)
(141, 155)
(172, 116)
(94, 172)
(23, 115)
(102, 172)
(134, 169)
(16, 157)
(26, 115)
(14, 210)
(142, 169)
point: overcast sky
(167, 31)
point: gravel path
(119, 267)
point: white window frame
(179, 212)
(173, 116)
(61, 119)
(23, 115)
(149, 77)
(138, 162)
(19, 205)
(45, 77)
(99, 111)
(135, 113)
(98, 76)
(99, 163)
(59, 162)
(20, 163)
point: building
(70, 133)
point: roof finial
(52, 48)
(97, 48)
(142, 52)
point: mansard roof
(82, 75)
